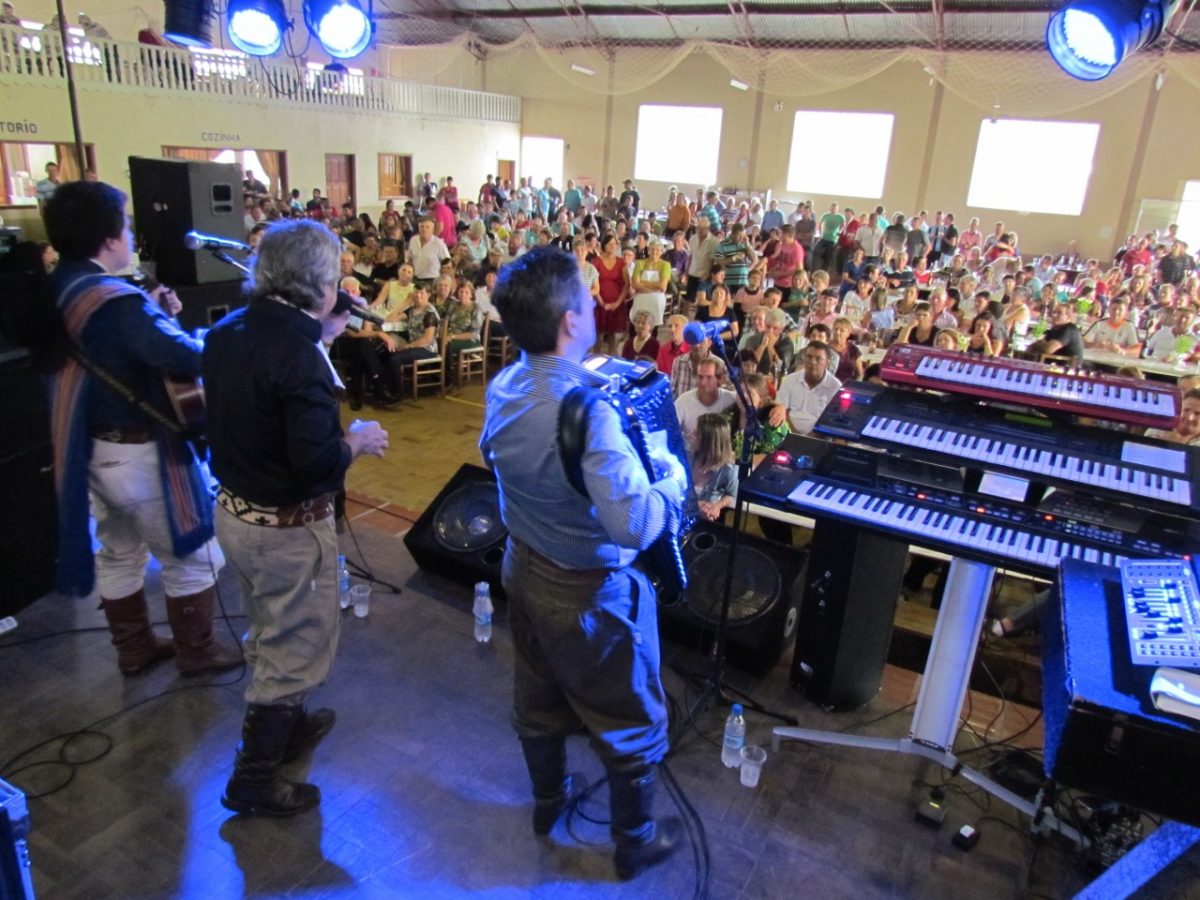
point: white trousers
(131, 524)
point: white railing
(33, 57)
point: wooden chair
(471, 364)
(427, 374)
(499, 350)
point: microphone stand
(228, 260)
(717, 686)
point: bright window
(678, 143)
(840, 154)
(1188, 217)
(1040, 167)
(542, 158)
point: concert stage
(425, 794)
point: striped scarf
(189, 501)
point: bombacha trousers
(586, 653)
(288, 578)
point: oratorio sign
(8, 127)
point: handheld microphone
(194, 240)
(696, 332)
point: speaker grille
(756, 584)
(469, 519)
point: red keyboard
(1113, 397)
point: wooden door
(339, 180)
(507, 169)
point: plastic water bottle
(344, 600)
(735, 738)
(483, 612)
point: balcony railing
(35, 57)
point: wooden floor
(424, 790)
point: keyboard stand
(940, 699)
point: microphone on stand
(695, 332)
(194, 240)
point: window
(22, 166)
(1188, 217)
(1040, 167)
(840, 154)
(662, 130)
(395, 175)
(542, 158)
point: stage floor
(424, 789)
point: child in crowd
(714, 473)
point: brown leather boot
(138, 647)
(197, 649)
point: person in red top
(443, 221)
(786, 260)
(449, 195)
(671, 350)
(1141, 255)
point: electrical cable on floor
(90, 730)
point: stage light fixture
(1089, 38)
(256, 27)
(189, 22)
(340, 26)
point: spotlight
(257, 26)
(189, 22)
(1089, 38)
(340, 26)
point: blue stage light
(340, 26)
(1089, 38)
(257, 26)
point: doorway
(339, 180)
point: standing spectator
(787, 259)
(772, 218)
(426, 252)
(315, 208)
(702, 248)
(735, 255)
(630, 197)
(449, 195)
(45, 188)
(830, 227)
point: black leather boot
(308, 731)
(546, 759)
(257, 788)
(641, 841)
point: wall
(122, 124)
(933, 144)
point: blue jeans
(586, 653)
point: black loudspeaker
(764, 598)
(850, 595)
(461, 535)
(204, 305)
(174, 196)
(28, 512)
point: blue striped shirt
(626, 512)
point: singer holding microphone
(280, 454)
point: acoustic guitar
(186, 395)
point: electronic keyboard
(1111, 397)
(959, 431)
(1007, 522)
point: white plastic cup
(360, 596)
(753, 758)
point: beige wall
(124, 124)
(945, 152)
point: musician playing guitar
(583, 617)
(148, 491)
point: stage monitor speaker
(174, 196)
(764, 600)
(204, 305)
(28, 511)
(461, 535)
(850, 596)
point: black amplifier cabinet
(1103, 735)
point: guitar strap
(123, 391)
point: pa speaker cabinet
(764, 598)
(174, 196)
(28, 508)
(461, 535)
(852, 585)
(204, 305)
